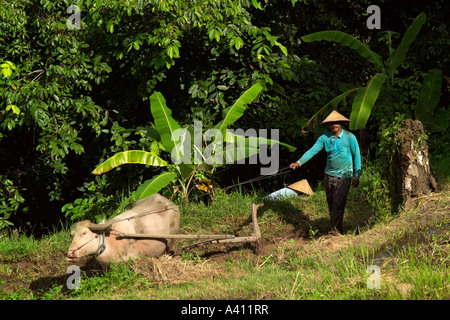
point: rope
(101, 245)
(262, 177)
(259, 178)
(161, 209)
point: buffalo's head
(86, 239)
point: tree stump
(415, 177)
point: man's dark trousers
(337, 191)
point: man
(343, 166)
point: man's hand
(355, 183)
(294, 165)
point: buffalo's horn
(99, 226)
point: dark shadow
(90, 268)
(358, 213)
(294, 216)
(289, 215)
(224, 249)
(44, 284)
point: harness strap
(157, 210)
(101, 245)
(84, 244)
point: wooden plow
(255, 237)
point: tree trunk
(415, 177)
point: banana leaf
(410, 35)
(365, 100)
(438, 122)
(430, 93)
(346, 40)
(334, 103)
(165, 124)
(241, 148)
(231, 137)
(153, 185)
(429, 96)
(130, 157)
(233, 113)
(230, 155)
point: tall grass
(17, 246)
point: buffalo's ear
(78, 224)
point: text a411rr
(243, 309)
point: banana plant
(366, 96)
(248, 145)
(169, 134)
(433, 118)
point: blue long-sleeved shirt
(343, 155)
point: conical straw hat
(335, 116)
(302, 186)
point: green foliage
(154, 185)
(92, 205)
(367, 96)
(132, 156)
(439, 149)
(377, 191)
(46, 78)
(7, 68)
(233, 113)
(340, 99)
(365, 100)
(346, 40)
(399, 54)
(10, 199)
(65, 93)
(428, 100)
(170, 132)
(164, 36)
(381, 173)
(165, 124)
(100, 200)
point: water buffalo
(155, 215)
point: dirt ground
(38, 274)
